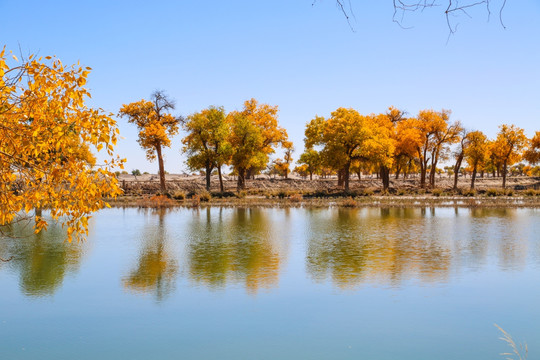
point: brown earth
(261, 185)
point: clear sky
(303, 58)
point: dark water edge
(266, 283)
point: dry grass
(349, 202)
(156, 201)
(519, 350)
(295, 198)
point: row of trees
(393, 143)
(244, 139)
(346, 142)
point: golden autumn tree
(342, 136)
(206, 141)
(380, 148)
(156, 127)
(348, 137)
(509, 143)
(312, 161)
(287, 157)
(532, 154)
(255, 133)
(437, 134)
(408, 139)
(477, 152)
(459, 155)
(47, 135)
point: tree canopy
(156, 126)
(47, 135)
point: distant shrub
(156, 201)
(349, 202)
(509, 192)
(224, 194)
(368, 192)
(436, 192)
(282, 194)
(179, 195)
(531, 192)
(401, 192)
(493, 192)
(205, 196)
(470, 192)
(295, 197)
(241, 194)
(195, 201)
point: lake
(231, 283)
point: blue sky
(303, 58)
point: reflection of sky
(365, 283)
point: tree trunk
(456, 170)
(473, 177)
(346, 175)
(161, 169)
(241, 185)
(504, 174)
(220, 178)
(208, 176)
(385, 176)
(340, 178)
(423, 171)
(398, 171)
(432, 173)
(310, 175)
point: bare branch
(401, 7)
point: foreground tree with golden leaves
(46, 137)
(156, 127)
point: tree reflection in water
(156, 269)
(43, 260)
(240, 246)
(376, 245)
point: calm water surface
(275, 284)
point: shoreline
(391, 201)
(143, 191)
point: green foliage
(206, 142)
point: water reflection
(376, 245)
(42, 260)
(238, 246)
(388, 246)
(218, 248)
(157, 268)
